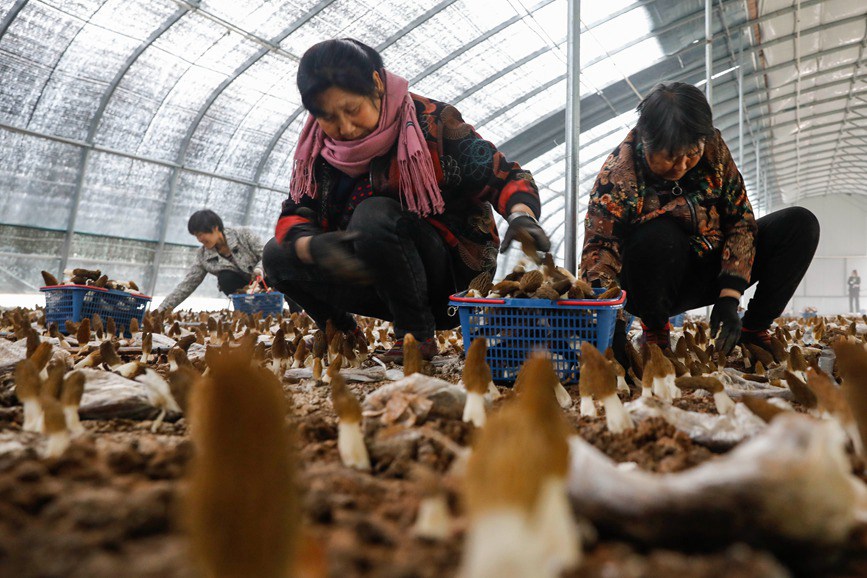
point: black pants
(410, 264)
(231, 281)
(663, 276)
(854, 305)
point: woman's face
(209, 240)
(349, 116)
(673, 166)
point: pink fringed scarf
(397, 121)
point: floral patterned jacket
(473, 176)
(713, 208)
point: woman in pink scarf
(390, 205)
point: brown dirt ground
(108, 506)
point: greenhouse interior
(470, 288)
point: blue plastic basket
(270, 303)
(76, 302)
(515, 328)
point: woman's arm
(484, 171)
(297, 223)
(606, 219)
(254, 245)
(194, 277)
(738, 225)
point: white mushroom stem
(433, 521)
(57, 444)
(350, 444)
(159, 421)
(665, 389)
(556, 530)
(588, 408)
(493, 391)
(646, 391)
(73, 423)
(128, 370)
(32, 415)
(616, 417)
(724, 403)
(277, 367)
(474, 409)
(159, 394)
(563, 397)
(88, 361)
(855, 435)
(621, 384)
(503, 543)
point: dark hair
(673, 117)
(343, 62)
(204, 221)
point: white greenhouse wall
(842, 247)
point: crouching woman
(390, 200)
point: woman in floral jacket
(390, 201)
(670, 221)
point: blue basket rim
(460, 300)
(92, 288)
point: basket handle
(261, 280)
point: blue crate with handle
(514, 328)
(76, 302)
(270, 303)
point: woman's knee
(272, 256)
(374, 215)
(805, 222)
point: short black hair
(204, 221)
(674, 117)
(342, 62)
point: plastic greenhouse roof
(118, 119)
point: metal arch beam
(521, 99)
(203, 110)
(82, 164)
(789, 96)
(94, 126)
(475, 42)
(499, 74)
(11, 16)
(127, 155)
(849, 100)
(185, 143)
(263, 161)
(819, 146)
(790, 177)
(823, 158)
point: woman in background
(233, 255)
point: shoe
(760, 337)
(659, 337)
(428, 348)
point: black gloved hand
(332, 252)
(525, 229)
(724, 317)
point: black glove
(332, 252)
(525, 229)
(724, 318)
